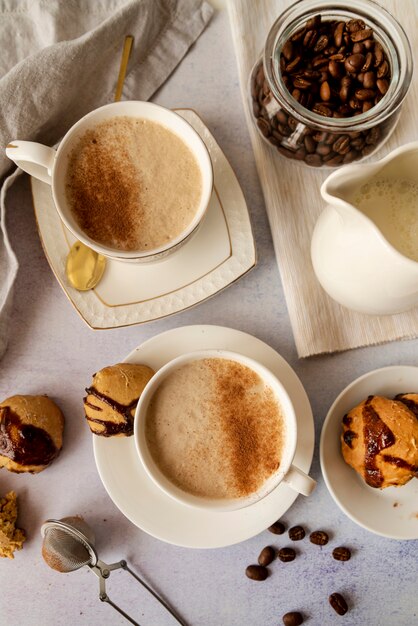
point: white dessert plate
(391, 512)
(219, 253)
(147, 506)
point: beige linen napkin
(294, 203)
(60, 60)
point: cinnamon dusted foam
(132, 184)
(215, 429)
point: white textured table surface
(52, 351)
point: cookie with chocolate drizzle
(380, 440)
(31, 429)
(111, 399)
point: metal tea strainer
(68, 545)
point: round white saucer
(148, 507)
(391, 512)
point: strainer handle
(102, 570)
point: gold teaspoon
(84, 267)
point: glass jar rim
(394, 38)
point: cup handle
(299, 481)
(33, 158)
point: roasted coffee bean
(256, 572)
(351, 156)
(301, 83)
(264, 126)
(323, 149)
(319, 537)
(285, 152)
(382, 70)
(338, 603)
(338, 34)
(369, 44)
(378, 54)
(319, 62)
(336, 160)
(354, 62)
(367, 106)
(364, 94)
(361, 35)
(325, 91)
(360, 77)
(293, 64)
(287, 50)
(266, 556)
(368, 63)
(354, 25)
(355, 104)
(346, 83)
(358, 144)
(277, 528)
(322, 109)
(300, 154)
(292, 123)
(310, 144)
(382, 85)
(310, 39)
(334, 68)
(341, 554)
(275, 142)
(278, 136)
(281, 117)
(284, 130)
(297, 94)
(287, 554)
(359, 47)
(321, 44)
(294, 618)
(338, 56)
(369, 80)
(313, 159)
(256, 109)
(313, 22)
(296, 533)
(319, 137)
(368, 149)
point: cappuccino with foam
(215, 429)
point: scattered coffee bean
(319, 537)
(338, 603)
(286, 555)
(277, 528)
(341, 554)
(292, 619)
(267, 556)
(296, 533)
(256, 572)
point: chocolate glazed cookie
(379, 440)
(112, 398)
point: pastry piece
(31, 429)
(380, 441)
(112, 398)
(11, 538)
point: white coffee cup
(287, 472)
(50, 166)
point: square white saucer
(222, 251)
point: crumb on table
(11, 538)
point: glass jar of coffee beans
(329, 87)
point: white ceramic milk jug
(365, 243)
